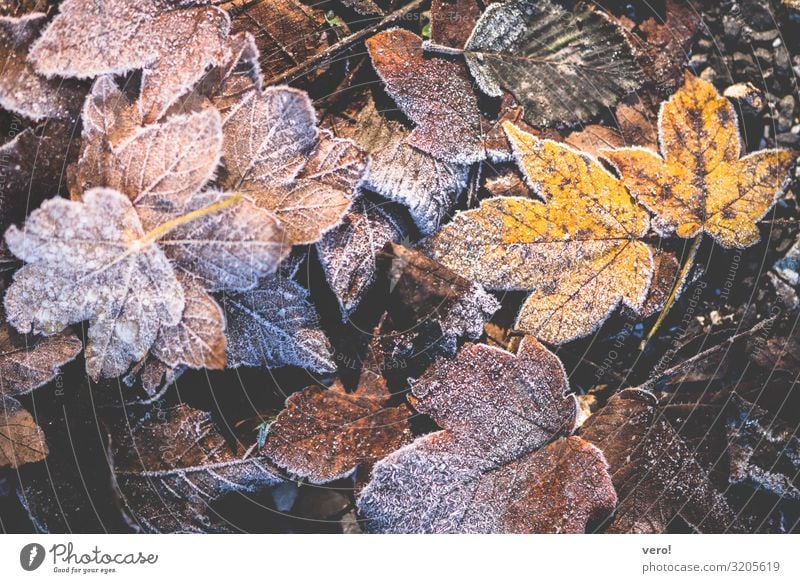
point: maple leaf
(655, 472)
(324, 434)
(274, 152)
(561, 67)
(275, 325)
(87, 39)
(28, 362)
(348, 252)
(22, 90)
(700, 182)
(171, 468)
(402, 173)
(579, 251)
(491, 468)
(21, 439)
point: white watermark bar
(227, 558)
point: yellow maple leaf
(700, 182)
(579, 252)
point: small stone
(698, 61)
(785, 112)
(783, 63)
(747, 96)
(764, 57)
(766, 38)
(744, 64)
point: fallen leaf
(491, 468)
(87, 39)
(452, 22)
(172, 465)
(700, 182)
(434, 92)
(28, 362)
(579, 251)
(21, 439)
(402, 173)
(655, 473)
(275, 325)
(305, 177)
(561, 67)
(348, 252)
(324, 434)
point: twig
(321, 58)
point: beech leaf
(700, 182)
(491, 468)
(580, 251)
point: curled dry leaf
(274, 152)
(700, 182)
(22, 90)
(434, 92)
(561, 67)
(427, 187)
(87, 39)
(579, 251)
(275, 325)
(655, 472)
(490, 469)
(348, 252)
(172, 466)
(21, 439)
(324, 434)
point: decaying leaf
(21, 439)
(654, 471)
(275, 325)
(324, 434)
(403, 173)
(87, 39)
(22, 90)
(348, 252)
(699, 182)
(28, 362)
(489, 469)
(171, 466)
(434, 92)
(561, 67)
(579, 251)
(274, 152)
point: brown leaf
(489, 469)
(173, 465)
(452, 22)
(434, 92)
(700, 182)
(21, 439)
(324, 434)
(22, 90)
(87, 39)
(654, 471)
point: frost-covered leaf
(287, 33)
(580, 251)
(348, 252)
(172, 466)
(403, 173)
(700, 182)
(561, 67)
(324, 434)
(22, 90)
(305, 177)
(275, 325)
(433, 302)
(491, 469)
(172, 43)
(452, 22)
(28, 362)
(89, 261)
(198, 340)
(21, 439)
(434, 92)
(655, 472)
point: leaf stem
(687, 265)
(164, 228)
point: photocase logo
(31, 556)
